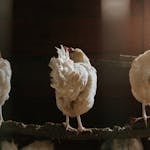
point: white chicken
(139, 76)
(5, 85)
(5, 145)
(39, 145)
(75, 82)
(36, 145)
(122, 144)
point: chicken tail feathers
(62, 53)
(61, 67)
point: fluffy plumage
(75, 81)
(39, 145)
(5, 85)
(5, 145)
(36, 145)
(139, 76)
(122, 144)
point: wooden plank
(57, 132)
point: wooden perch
(54, 132)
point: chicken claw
(83, 129)
(67, 125)
(69, 128)
(80, 126)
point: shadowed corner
(6, 8)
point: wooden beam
(57, 132)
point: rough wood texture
(57, 132)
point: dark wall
(6, 26)
(41, 25)
(100, 27)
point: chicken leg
(68, 126)
(144, 116)
(1, 116)
(80, 126)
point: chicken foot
(144, 116)
(1, 116)
(68, 126)
(80, 126)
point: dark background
(104, 29)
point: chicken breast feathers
(139, 75)
(5, 77)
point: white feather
(5, 145)
(39, 145)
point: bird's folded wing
(2, 76)
(69, 81)
(4, 83)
